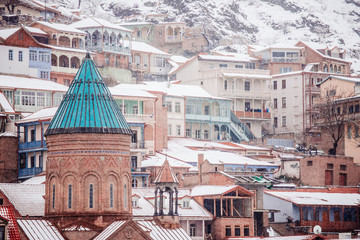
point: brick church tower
(88, 174)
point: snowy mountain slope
(234, 22)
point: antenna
(317, 229)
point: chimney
(200, 162)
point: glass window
(283, 84)
(44, 56)
(284, 121)
(247, 86)
(168, 104)
(349, 132)
(32, 135)
(278, 54)
(177, 107)
(33, 55)
(32, 161)
(53, 197)
(192, 230)
(20, 56)
(188, 132)
(188, 109)
(111, 195)
(197, 133)
(178, 130)
(91, 196)
(11, 55)
(135, 109)
(283, 102)
(206, 110)
(237, 230)
(40, 99)
(275, 103)
(227, 230)
(160, 62)
(206, 134)
(9, 95)
(246, 230)
(343, 167)
(223, 65)
(275, 85)
(239, 66)
(250, 65)
(70, 196)
(275, 122)
(225, 84)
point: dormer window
(135, 203)
(186, 204)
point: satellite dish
(317, 229)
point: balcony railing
(33, 144)
(251, 114)
(312, 89)
(28, 172)
(174, 38)
(285, 60)
(230, 93)
(139, 118)
(332, 225)
(138, 67)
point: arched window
(335, 69)
(111, 195)
(125, 196)
(325, 68)
(331, 68)
(91, 195)
(53, 196)
(70, 196)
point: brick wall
(313, 170)
(8, 159)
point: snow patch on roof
(97, 22)
(42, 114)
(8, 81)
(39, 230)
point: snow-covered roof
(97, 22)
(5, 104)
(316, 47)
(8, 134)
(318, 198)
(110, 230)
(13, 82)
(223, 58)
(38, 179)
(67, 49)
(158, 160)
(179, 59)
(39, 229)
(207, 190)
(348, 79)
(144, 47)
(35, 30)
(42, 114)
(242, 75)
(297, 237)
(136, 23)
(124, 90)
(279, 46)
(26, 198)
(5, 33)
(62, 27)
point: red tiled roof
(13, 230)
(166, 175)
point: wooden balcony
(251, 114)
(332, 226)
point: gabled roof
(43, 114)
(144, 47)
(27, 199)
(347, 79)
(210, 190)
(39, 230)
(7, 213)
(61, 27)
(92, 22)
(88, 106)
(166, 175)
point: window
(225, 84)
(9, 95)
(133, 162)
(135, 109)
(285, 70)
(284, 121)
(160, 62)
(274, 85)
(168, 104)
(22, 160)
(247, 107)
(53, 197)
(177, 107)
(40, 99)
(11, 54)
(246, 230)
(197, 133)
(356, 131)
(69, 196)
(20, 56)
(357, 108)
(283, 102)
(185, 204)
(349, 132)
(44, 74)
(275, 103)
(207, 110)
(32, 135)
(169, 129)
(33, 55)
(125, 196)
(1, 201)
(192, 230)
(188, 132)
(250, 65)
(206, 134)
(351, 109)
(275, 122)
(178, 130)
(211, 65)
(223, 65)
(28, 98)
(309, 163)
(91, 196)
(227, 230)
(283, 84)
(111, 195)
(44, 56)
(278, 54)
(239, 66)
(67, 82)
(237, 230)
(135, 203)
(32, 161)
(343, 167)
(330, 166)
(247, 86)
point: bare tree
(10, 5)
(332, 115)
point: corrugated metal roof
(88, 106)
(13, 231)
(159, 233)
(40, 230)
(109, 230)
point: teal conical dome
(88, 106)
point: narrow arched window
(111, 195)
(91, 196)
(53, 197)
(125, 196)
(69, 196)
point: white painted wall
(15, 66)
